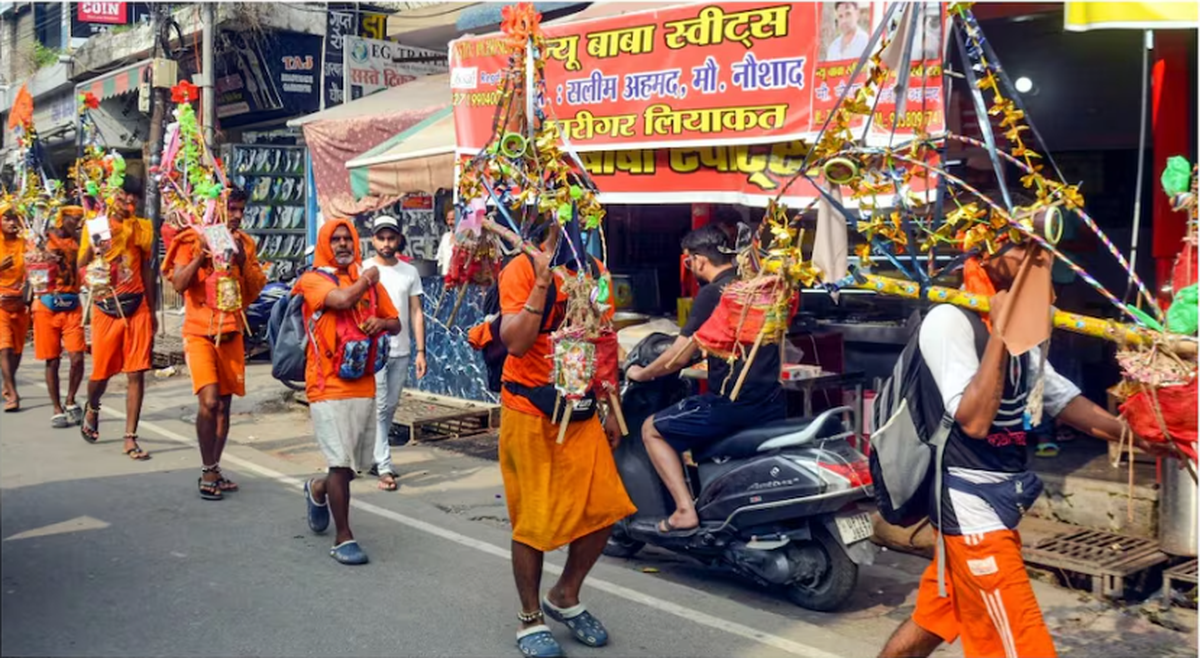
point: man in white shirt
(446, 247)
(851, 39)
(987, 485)
(403, 285)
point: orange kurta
(124, 344)
(322, 382)
(132, 247)
(556, 493)
(212, 340)
(54, 330)
(199, 318)
(14, 315)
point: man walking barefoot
(14, 313)
(348, 314)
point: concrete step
(1084, 489)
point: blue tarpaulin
(487, 14)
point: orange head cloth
(324, 248)
(73, 210)
(977, 281)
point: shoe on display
(262, 187)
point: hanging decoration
(524, 178)
(193, 186)
(37, 196)
(1159, 381)
(907, 230)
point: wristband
(532, 311)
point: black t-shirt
(763, 379)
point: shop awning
(420, 159)
(1084, 16)
(343, 133)
(115, 83)
(417, 94)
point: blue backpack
(288, 336)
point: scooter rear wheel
(621, 547)
(834, 585)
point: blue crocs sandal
(318, 515)
(348, 552)
(584, 626)
(538, 642)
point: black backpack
(494, 353)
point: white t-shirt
(402, 283)
(948, 347)
(445, 252)
(853, 50)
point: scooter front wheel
(622, 547)
(830, 587)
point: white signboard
(372, 65)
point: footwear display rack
(273, 176)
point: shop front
(677, 129)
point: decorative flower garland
(529, 178)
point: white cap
(384, 221)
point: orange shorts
(990, 602)
(52, 330)
(121, 344)
(14, 329)
(221, 365)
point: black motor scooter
(779, 504)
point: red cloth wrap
(606, 377)
(1178, 406)
(728, 326)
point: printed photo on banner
(845, 30)
(928, 33)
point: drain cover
(1108, 558)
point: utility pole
(158, 109)
(208, 94)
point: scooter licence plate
(854, 527)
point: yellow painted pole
(1116, 332)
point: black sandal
(136, 453)
(209, 490)
(224, 483)
(90, 430)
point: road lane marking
(629, 594)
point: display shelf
(266, 212)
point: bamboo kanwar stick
(758, 340)
(1110, 330)
(614, 401)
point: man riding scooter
(701, 420)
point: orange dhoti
(14, 328)
(217, 363)
(54, 330)
(121, 344)
(558, 493)
(990, 601)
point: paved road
(106, 556)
